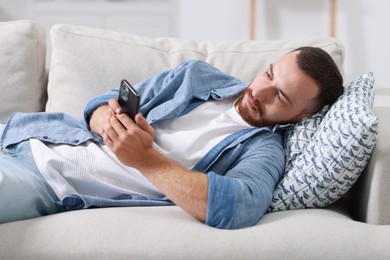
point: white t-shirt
(188, 138)
(92, 169)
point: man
(193, 120)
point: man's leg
(24, 193)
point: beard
(254, 118)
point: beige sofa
(84, 63)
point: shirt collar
(281, 127)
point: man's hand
(132, 143)
(100, 118)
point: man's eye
(281, 97)
(268, 74)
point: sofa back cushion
(86, 62)
(23, 75)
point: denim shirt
(243, 169)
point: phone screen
(128, 99)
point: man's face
(282, 93)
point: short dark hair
(320, 66)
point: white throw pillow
(325, 158)
(22, 68)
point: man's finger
(116, 128)
(114, 105)
(143, 124)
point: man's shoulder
(197, 65)
(200, 66)
(203, 73)
(266, 137)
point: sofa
(77, 63)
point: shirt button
(75, 141)
(45, 137)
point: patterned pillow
(297, 138)
(326, 153)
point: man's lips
(254, 106)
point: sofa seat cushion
(22, 68)
(170, 233)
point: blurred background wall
(360, 24)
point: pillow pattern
(297, 138)
(326, 153)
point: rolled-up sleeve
(240, 197)
(96, 102)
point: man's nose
(265, 94)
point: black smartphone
(128, 99)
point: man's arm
(132, 143)
(100, 116)
(236, 199)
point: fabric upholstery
(86, 62)
(369, 197)
(22, 68)
(169, 232)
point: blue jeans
(24, 193)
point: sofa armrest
(370, 196)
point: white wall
(361, 25)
